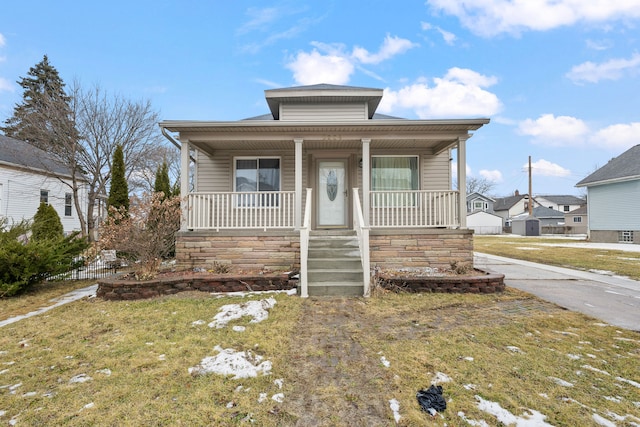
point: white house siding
(323, 113)
(484, 223)
(614, 206)
(21, 196)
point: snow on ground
(530, 419)
(395, 408)
(240, 364)
(257, 310)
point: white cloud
(493, 175)
(3, 41)
(331, 63)
(552, 130)
(545, 168)
(613, 69)
(314, 67)
(491, 17)
(259, 19)
(448, 37)
(618, 136)
(6, 86)
(599, 44)
(459, 93)
(391, 46)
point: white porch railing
(414, 209)
(263, 209)
(304, 246)
(362, 231)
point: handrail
(304, 246)
(414, 208)
(362, 231)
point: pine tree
(162, 180)
(46, 223)
(44, 118)
(119, 190)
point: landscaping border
(483, 283)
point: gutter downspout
(170, 137)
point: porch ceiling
(436, 135)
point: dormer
(323, 103)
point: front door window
(332, 194)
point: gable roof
(582, 210)
(322, 93)
(17, 153)
(476, 195)
(504, 203)
(562, 199)
(625, 167)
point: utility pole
(530, 190)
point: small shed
(526, 226)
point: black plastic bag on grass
(431, 400)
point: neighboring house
(484, 223)
(479, 202)
(29, 176)
(576, 221)
(323, 163)
(548, 217)
(563, 203)
(613, 199)
(511, 206)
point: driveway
(614, 300)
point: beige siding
(323, 112)
(435, 172)
(215, 174)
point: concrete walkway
(615, 300)
(89, 291)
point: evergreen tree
(119, 190)
(44, 118)
(46, 223)
(162, 180)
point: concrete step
(336, 289)
(335, 275)
(326, 263)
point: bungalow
(323, 184)
(613, 199)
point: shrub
(25, 262)
(46, 223)
(145, 234)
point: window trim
(44, 196)
(241, 202)
(413, 201)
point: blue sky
(559, 79)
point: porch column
(297, 220)
(184, 183)
(462, 182)
(366, 180)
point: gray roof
(622, 168)
(376, 116)
(542, 212)
(22, 154)
(505, 203)
(562, 199)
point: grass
(511, 348)
(534, 249)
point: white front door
(332, 194)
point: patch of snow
(262, 397)
(561, 382)
(626, 339)
(30, 394)
(279, 383)
(531, 419)
(80, 378)
(395, 408)
(13, 388)
(231, 404)
(468, 359)
(593, 356)
(13, 362)
(470, 386)
(591, 368)
(481, 423)
(255, 309)
(88, 406)
(514, 349)
(105, 371)
(524, 248)
(4, 371)
(239, 328)
(385, 362)
(566, 333)
(3, 413)
(574, 356)
(162, 357)
(602, 421)
(240, 364)
(624, 380)
(545, 395)
(441, 378)
(616, 399)
(198, 323)
(278, 397)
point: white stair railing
(362, 231)
(304, 246)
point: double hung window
(257, 175)
(395, 177)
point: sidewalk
(89, 291)
(613, 299)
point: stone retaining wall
(122, 289)
(482, 283)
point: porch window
(255, 175)
(394, 174)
